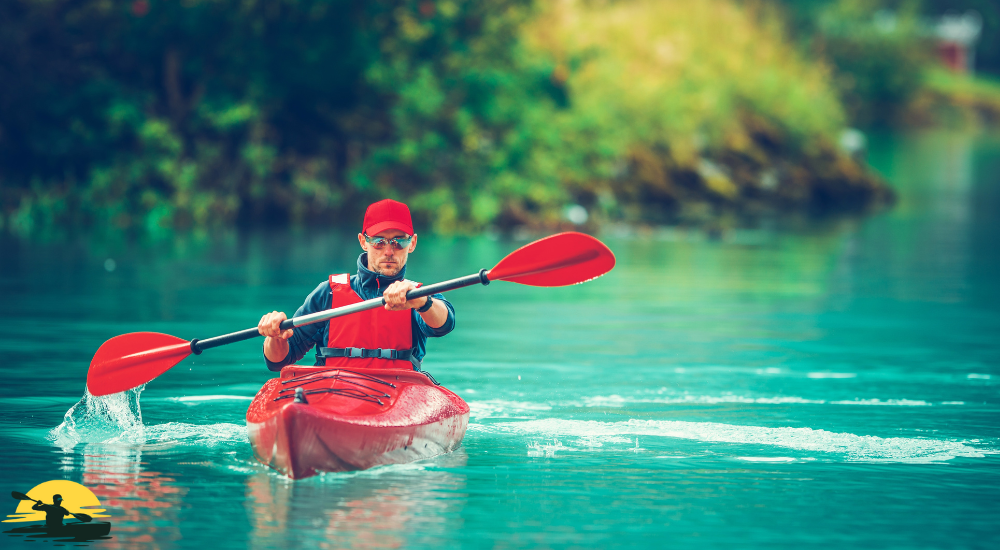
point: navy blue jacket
(367, 285)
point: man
(54, 513)
(391, 337)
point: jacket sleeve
(448, 326)
(304, 338)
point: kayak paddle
(22, 496)
(131, 360)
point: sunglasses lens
(398, 243)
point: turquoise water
(831, 385)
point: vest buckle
(355, 352)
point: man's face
(387, 261)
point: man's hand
(395, 297)
(269, 326)
(276, 343)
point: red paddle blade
(562, 259)
(130, 360)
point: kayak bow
(319, 419)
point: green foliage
(963, 100)
(207, 111)
(886, 68)
(880, 56)
(685, 108)
(164, 114)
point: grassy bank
(953, 99)
(706, 112)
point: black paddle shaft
(197, 346)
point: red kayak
(320, 419)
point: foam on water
(619, 401)
(851, 447)
(205, 435)
(194, 399)
(500, 408)
(889, 402)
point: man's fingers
(270, 325)
(395, 296)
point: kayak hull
(352, 420)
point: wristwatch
(427, 305)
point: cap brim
(383, 226)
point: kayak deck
(352, 419)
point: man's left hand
(395, 297)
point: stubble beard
(384, 272)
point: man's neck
(363, 263)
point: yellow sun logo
(77, 499)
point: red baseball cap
(387, 214)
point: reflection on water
(382, 508)
(145, 504)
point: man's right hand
(269, 326)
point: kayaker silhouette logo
(48, 504)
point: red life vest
(369, 330)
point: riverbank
(482, 117)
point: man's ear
(413, 245)
(361, 241)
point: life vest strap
(380, 353)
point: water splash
(116, 421)
(114, 418)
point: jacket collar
(372, 282)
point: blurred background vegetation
(154, 115)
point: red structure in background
(954, 56)
(957, 36)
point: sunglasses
(398, 243)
